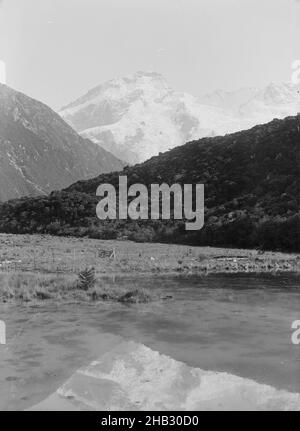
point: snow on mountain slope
(230, 101)
(275, 100)
(138, 116)
(255, 105)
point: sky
(56, 50)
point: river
(240, 324)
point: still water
(233, 323)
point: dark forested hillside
(251, 183)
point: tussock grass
(120, 294)
(32, 287)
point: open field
(69, 255)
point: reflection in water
(238, 324)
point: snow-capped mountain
(263, 105)
(138, 116)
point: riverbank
(63, 255)
(35, 288)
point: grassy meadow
(41, 267)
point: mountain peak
(119, 87)
(140, 115)
(149, 74)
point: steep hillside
(140, 115)
(39, 152)
(251, 183)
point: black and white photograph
(149, 209)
